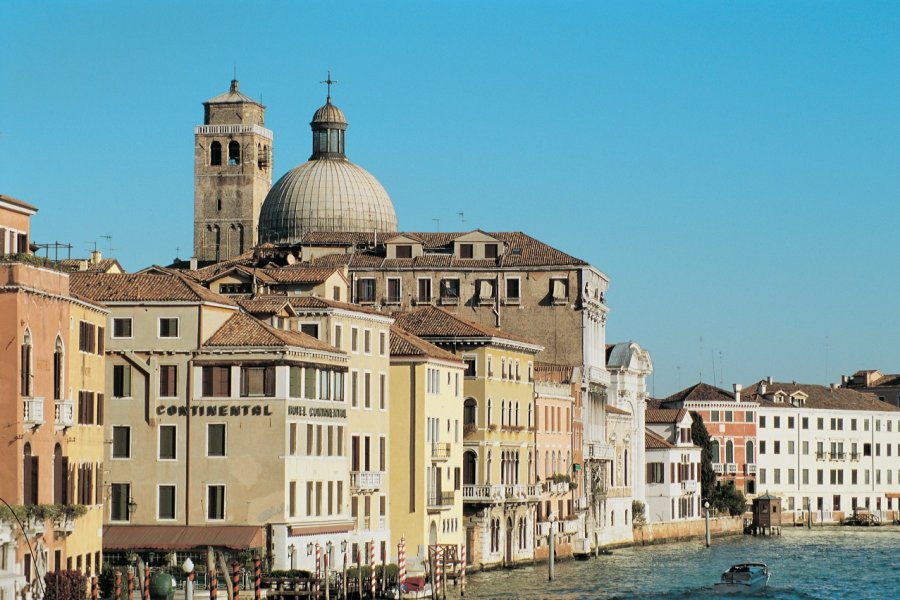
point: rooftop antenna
(109, 246)
(462, 219)
(701, 360)
(329, 82)
(437, 224)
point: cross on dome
(329, 82)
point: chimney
(769, 380)
(82, 264)
(193, 263)
(96, 257)
(737, 392)
(845, 380)
(834, 386)
(762, 388)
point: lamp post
(552, 542)
(706, 506)
(292, 550)
(188, 567)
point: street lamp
(309, 549)
(552, 541)
(188, 567)
(292, 549)
(344, 546)
(706, 506)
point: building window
(471, 362)
(762, 421)
(168, 381)
(215, 154)
(122, 327)
(382, 343)
(310, 329)
(656, 472)
(257, 381)
(365, 290)
(122, 381)
(234, 153)
(750, 455)
(354, 339)
(31, 468)
(121, 447)
(167, 436)
(367, 341)
(59, 369)
(166, 503)
(215, 505)
(450, 290)
(215, 439)
(120, 496)
(559, 290)
(470, 408)
(404, 251)
(217, 382)
(512, 290)
(490, 251)
(393, 290)
(168, 327)
(466, 250)
(424, 290)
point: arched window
(750, 455)
(32, 475)
(729, 451)
(58, 371)
(530, 415)
(217, 235)
(517, 414)
(487, 472)
(714, 454)
(548, 466)
(60, 476)
(219, 204)
(509, 414)
(26, 364)
(625, 470)
(502, 412)
(470, 411)
(503, 467)
(215, 154)
(470, 467)
(530, 467)
(490, 410)
(234, 153)
(553, 458)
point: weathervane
(329, 81)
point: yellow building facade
(427, 386)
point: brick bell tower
(232, 175)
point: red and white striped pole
(318, 567)
(462, 569)
(401, 563)
(372, 564)
(325, 575)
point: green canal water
(831, 562)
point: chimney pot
(193, 263)
(769, 380)
(96, 257)
(737, 391)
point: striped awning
(179, 537)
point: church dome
(326, 193)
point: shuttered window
(217, 382)
(257, 381)
(121, 381)
(168, 381)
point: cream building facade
(427, 386)
(827, 449)
(672, 467)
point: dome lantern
(328, 126)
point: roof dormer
(404, 245)
(478, 245)
(798, 398)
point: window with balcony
(449, 290)
(424, 290)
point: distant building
(730, 420)
(95, 264)
(672, 469)
(830, 450)
(885, 386)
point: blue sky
(733, 167)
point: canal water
(831, 562)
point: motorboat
(744, 577)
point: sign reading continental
(206, 410)
(302, 411)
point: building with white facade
(827, 449)
(672, 466)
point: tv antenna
(437, 224)
(462, 219)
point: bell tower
(232, 175)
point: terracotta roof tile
(552, 373)
(700, 392)
(404, 343)
(432, 321)
(654, 441)
(103, 266)
(615, 410)
(300, 274)
(142, 287)
(242, 330)
(664, 415)
(819, 396)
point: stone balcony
(731, 468)
(750, 469)
(487, 494)
(690, 487)
(365, 482)
(440, 500)
(599, 451)
(34, 412)
(440, 451)
(718, 468)
(63, 413)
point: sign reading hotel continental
(247, 410)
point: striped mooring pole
(118, 593)
(401, 564)
(95, 588)
(130, 585)
(372, 564)
(235, 580)
(146, 583)
(257, 577)
(438, 570)
(213, 582)
(462, 570)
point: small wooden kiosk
(767, 515)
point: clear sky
(732, 166)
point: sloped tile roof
(890, 380)
(654, 441)
(552, 373)
(664, 415)
(17, 202)
(299, 274)
(142, 287)
(700, 392)
(103, 266)
(819, 396)
(264, 305)
(242, 330)
(432, 321)
(404, 343)
(615, 410)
